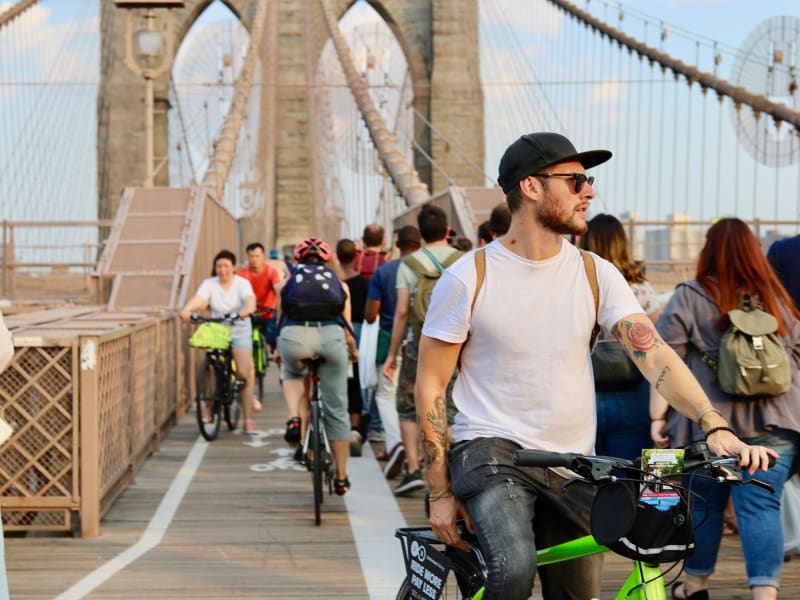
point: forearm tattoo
(437, 419)
(643, 338)
(662, 378)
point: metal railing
(42, 263)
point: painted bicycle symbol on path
(279, 455)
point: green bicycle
(260, 356)
(646, 580)
(217, 384)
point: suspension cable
(452, 145)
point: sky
(729, 22)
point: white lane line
(374, 515)
(151, 536)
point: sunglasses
(579, 179)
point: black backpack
(313, 292)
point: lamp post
(149, 44)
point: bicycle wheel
(207, 405)
(233, 410)
(318, 460)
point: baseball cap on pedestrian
(533, 152)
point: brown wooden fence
(90, 394)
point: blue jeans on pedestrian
(758, 515)
(623, 422)
(512, 508)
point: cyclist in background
(525, 379)
(264, 278)
(317, 326)
(226, 293)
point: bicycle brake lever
(761, 484)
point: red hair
(732, 263)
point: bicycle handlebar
(596, 469)
(228, 318)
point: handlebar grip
(543, 458)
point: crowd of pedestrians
(467, 372)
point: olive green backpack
(752, 361)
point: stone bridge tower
(440, 42)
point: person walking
(784, 256)
(434, 257)
(382, 301)
(358, 285)
(525, 378)
(732, 263)
(623, 416)
(224, 294)
(372, 255)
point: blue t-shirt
(784, 256)
(382, 287)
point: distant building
(675, 242)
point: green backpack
(425, 284)
(752, 360)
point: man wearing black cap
(525, 377)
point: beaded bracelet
(720, 428)
(433, 497)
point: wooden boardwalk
(234, 519)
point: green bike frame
(645, 581)
(259, 355)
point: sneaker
(376, 436)
(292, 435)
(250, 427)
(340, 486)
(355, 443)
(394, 465)
(411, 481)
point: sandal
(292, 435)
(698, 595)
(250, 426)
(340, 486)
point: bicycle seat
(314, 362)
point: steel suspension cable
(225, 147)
(404, 176)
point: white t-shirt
(222, 302)
(526, 373)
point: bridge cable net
(49, 78)
(655, 95)
(358, 188)
(214, 119)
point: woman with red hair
(731, 264)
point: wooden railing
(55, 276)
(89, 395)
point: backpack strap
(480, 270)
(591, 275)
(430, 255)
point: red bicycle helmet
(312, 246)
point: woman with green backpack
(733, 276)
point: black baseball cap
(533, 152)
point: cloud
(606, 93)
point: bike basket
(630, 527)
(213, 336)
